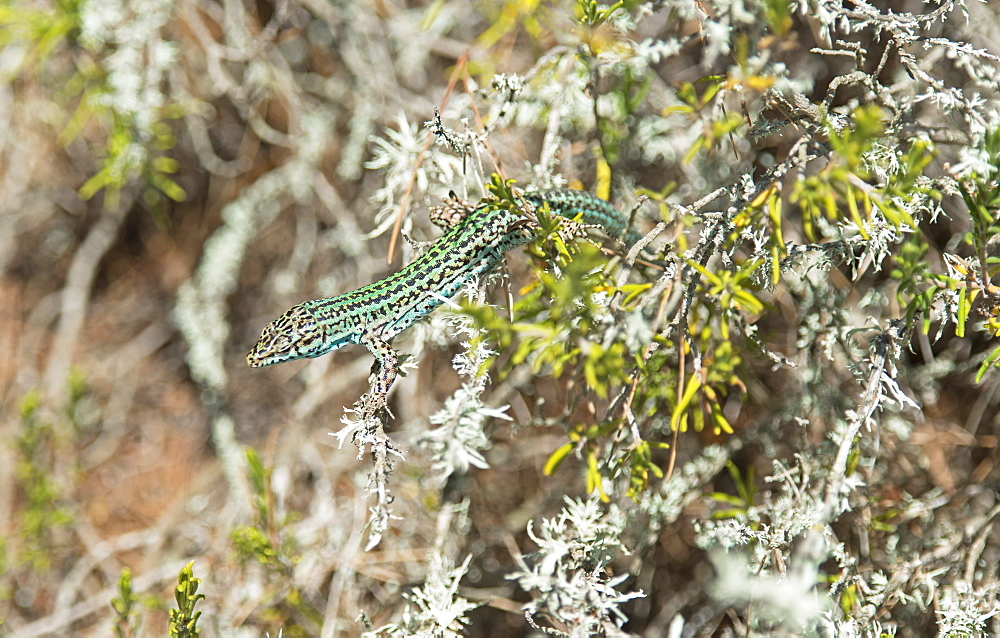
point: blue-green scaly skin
(374, 314)
(569, 203)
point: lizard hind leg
(452, 212)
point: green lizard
(372, 315)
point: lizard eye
(281, 344)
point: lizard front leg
(387, 365)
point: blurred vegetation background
(786, 424)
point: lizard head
(293, 335)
